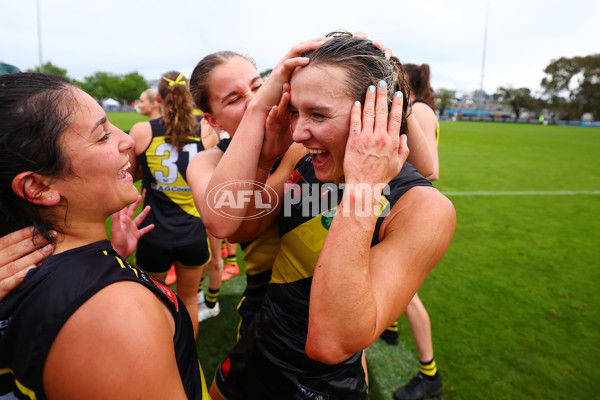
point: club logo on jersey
(326, 218)
(167, 291)
(228, 198)
(309, 394)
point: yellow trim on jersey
(22, 388)
(183, 199)
(205, 394)
(260, 254)
(292, 265)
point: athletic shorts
(157, 260)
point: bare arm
(356, 292)
(421, 155)
(141, 133)
(18, 254)
(427, 121)
(128, 355)
(253, 150)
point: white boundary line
(526, 193)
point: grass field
(514, 304)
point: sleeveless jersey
(33, 314)
(174, 215)
(276, 341)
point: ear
(35, 189)
(212, 121)
(158, 97)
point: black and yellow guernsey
(174, 215)
(270, 362)
(33, 314)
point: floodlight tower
(485, 30)
(37, 3)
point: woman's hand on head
(18, 254)
(375, 152)
(124, 230)
(278, 132)
(377, 43)
(271, 91)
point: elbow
(433, 177)
(218, 230)
(324, 353)
(327, 350)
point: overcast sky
(154, 36)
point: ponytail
(177, 108)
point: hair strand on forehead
(365, 65)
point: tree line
(570, 88)
(103, 85)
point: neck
(77, 236)
(155, 114)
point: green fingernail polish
(399, 95)
(357, 103)
(372, 89)
(382, 84)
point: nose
(300, 132)
(126, 142)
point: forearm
(343, 312)
(231, 189)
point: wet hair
(178, 116)
(35, 110)
(199, 80)
(419, 77)
(365, 65)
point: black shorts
(157, 260)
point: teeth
(315, 151)
(125, 167)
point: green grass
(125, 120)
(514, 304)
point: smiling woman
(63, 168)
(333, 288)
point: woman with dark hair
(163, 149)
(85, 324)
(333, 288)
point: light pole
(39, 29)
(485, 29)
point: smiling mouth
(125, 168)
(315, 151)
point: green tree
(103, 85)
(49, 68)
(130, 87)
(518, 99)
(444, 100)
(265, 74)
(576, 79)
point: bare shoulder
(423, 113)
(122, 335)
(423, 206)
(204, 162)
(141, 133)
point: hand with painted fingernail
(375, 152)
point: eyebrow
(101, 121)
(233, 92)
